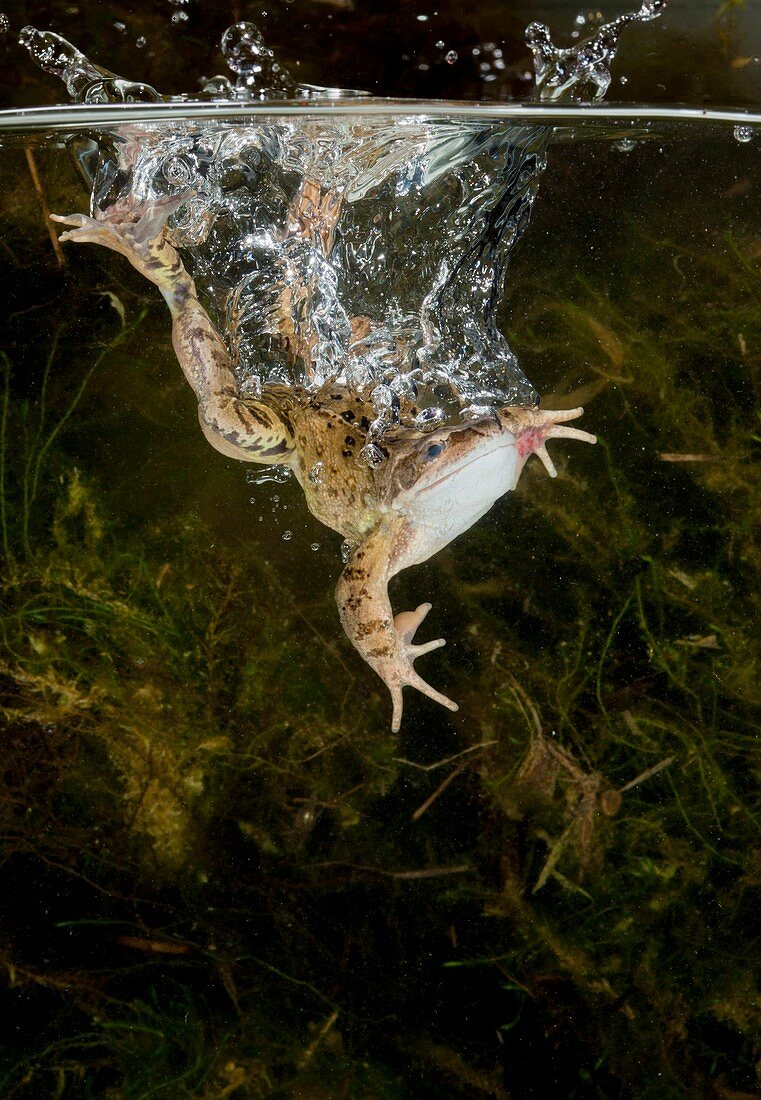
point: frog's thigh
(247, 431)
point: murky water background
(221, 875)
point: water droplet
(450, 57)
(315, 546)
(287, 536)
(743, 133)
(315, 473)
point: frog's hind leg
(384, 641)
(240, 428)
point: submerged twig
(437, 793)
(32, 165)
(668, 456)
(648, 774)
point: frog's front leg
(238, 427)
(383, 640)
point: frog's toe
(411, 679)
(127, 226)
(405, 625)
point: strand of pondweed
(604, 652)
(84, 1041)
(3, 454)
(32, 448)
(30, 493)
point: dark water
(700, 51)
(221, 875)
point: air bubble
(277, 474)
(179, 17)
(315, 473)
(176, 172)
(450, 57)
(315, 546)
(287, 536)
(743, 134)
(428, 419)
(346, 550)
(479, 412)
(141, 42)
(372, 456)
(5, 23)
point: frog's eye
(434, 450)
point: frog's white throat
(441, 506)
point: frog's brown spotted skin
(430, 489)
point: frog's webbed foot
(533, 427)
(385, 641)
(135, 229)
(401, 674)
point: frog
(428, 488)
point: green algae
(224, 877)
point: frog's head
(445, 481)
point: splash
(258, 76)
(582, 71)
(85, 82)
(364, 249)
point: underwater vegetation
(221, 876)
